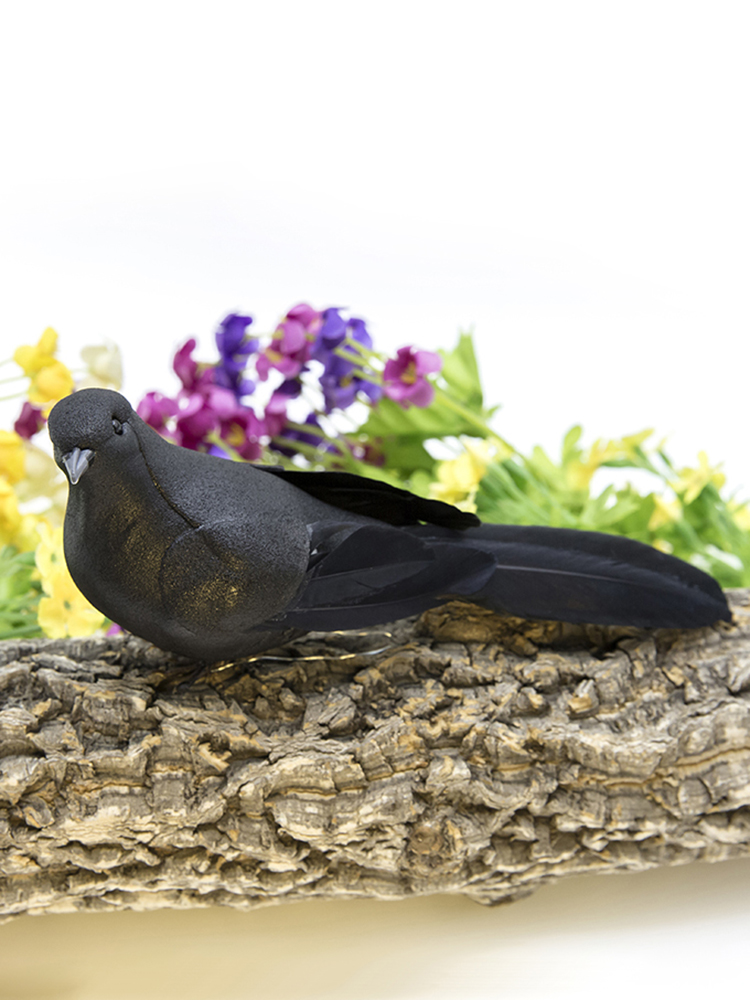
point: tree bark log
(473, 754)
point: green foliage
(460, 373)
(685, 513)
(399, 435)
(19, 594)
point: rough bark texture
(473, 755)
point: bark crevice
(459, 752)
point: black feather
(374, 498)
(217, 559)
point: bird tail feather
(582, 576)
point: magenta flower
(205, 411)
(156, 409)
(194, 421)
(207, 406)
(30, 420)
(185, 367)
(190, 373)
(310, 318)
(242, 431)
(372, 452)
(404, 377)
(275, 413)
(292, 343)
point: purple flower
(30, 421)
(338, 393)
(333, 332)
(340, 380)
(311, 438)
(208, 404)
(404, 377)
(291, 388)
(234, 349)
(340, 390)
(230, 337)
(358, 331)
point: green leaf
(389, 420)
(19, 594)
(460, 372)
(406, 455)
(570, 449)
(420, 482)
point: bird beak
(76, 462)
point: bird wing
(365, 575)
(374, 498)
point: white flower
(104, 365)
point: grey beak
(76, 462)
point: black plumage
(217, 559)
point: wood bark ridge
(460, 752)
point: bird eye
(116, 425)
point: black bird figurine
(217, 559)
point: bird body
(217, 559)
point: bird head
(88, 424)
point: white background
(569, 179)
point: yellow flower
(43, 480)
(664, 546)
(51, 384)
(691, 482)
(104, 365)
(63, 611)
(580, 472)
(632, 441)
(34, 359)
(50, 379)
(12, 463)
(15, 528)
(741, 514)
(664, 512)
(10, 515)
(459, 478)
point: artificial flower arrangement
(315, 394)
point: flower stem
(471, 418)
(362, 374)
(308, 450)
(214, 438)
(363, 351)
